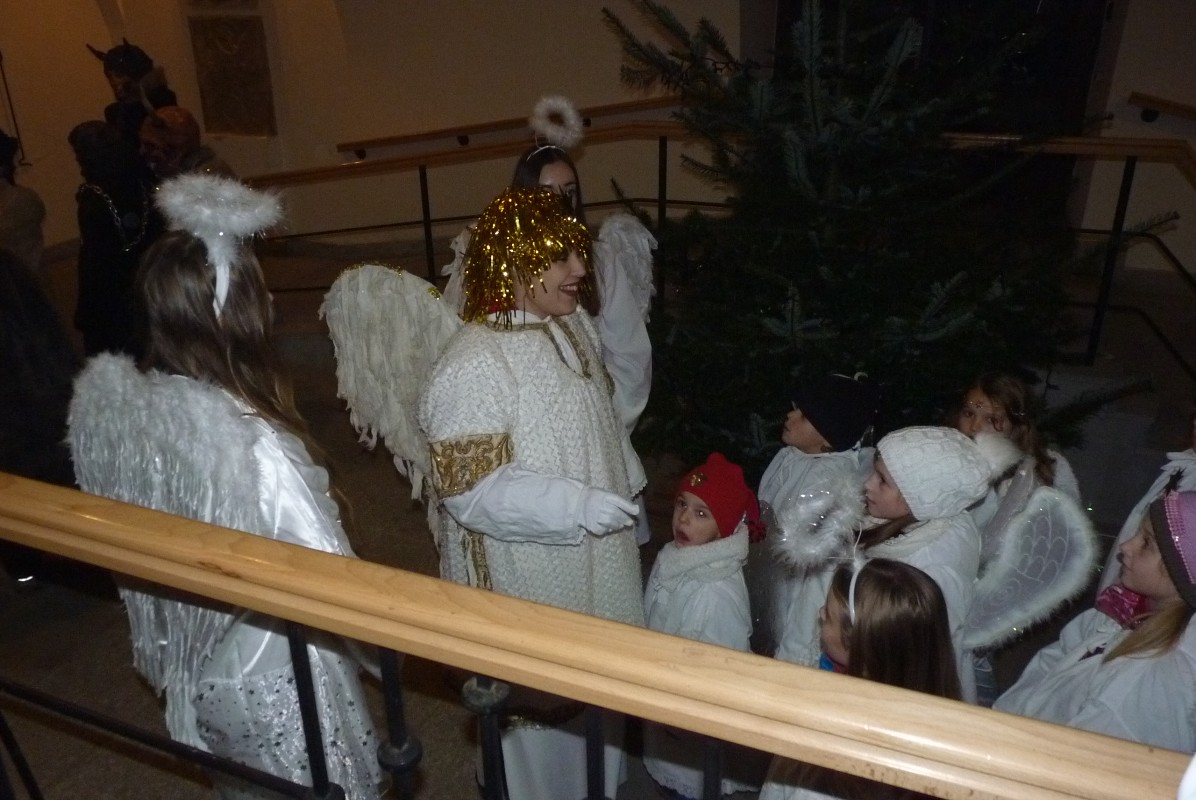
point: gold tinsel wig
(519, 235)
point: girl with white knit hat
(922, 483)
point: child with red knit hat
(697, 590)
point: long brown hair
(900, 635)
(1013, 396)
(235, 351)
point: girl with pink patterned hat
(1127, 667)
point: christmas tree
(856, 239)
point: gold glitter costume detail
(519, 235)
(458, 464)
(474, 546)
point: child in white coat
(697, 590)
(921, 486)
(822, 454)
(1132, 677)
(883, 621)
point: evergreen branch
(906, 45)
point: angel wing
(454, 290)
(1046, 556)
(1015, 500)
(388, 328)
(624, 244)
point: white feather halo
(222, 213)
(556, 120)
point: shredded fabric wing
(1046, 556)
(624, 243)
(388, 327)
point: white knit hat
(940, 471)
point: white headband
(857, 566)
(222, 213)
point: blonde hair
(1158, 633)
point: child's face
(693, 522)
(981, 415)
(830, 630)
(799, 433)
(1142, 569)
(555, 292)
(882, 498)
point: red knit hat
(720, 485)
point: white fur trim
(998, 451)
(1046, 556)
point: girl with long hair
(205, 427)
(883, 621)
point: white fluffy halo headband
(220, 212)
(556, 122)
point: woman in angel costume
(206, 428)
(620, 264)
(532, 467)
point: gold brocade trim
(458, 464)
(582, 359)
(474, 545)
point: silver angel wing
(388, 328)
(1045, 556)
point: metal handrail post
(712, 768)
(1106, 279)
(486, 697)
(402, 752)
(17, 756)
(662, 179)
(426, 205)
(595, 761)
(321, 787)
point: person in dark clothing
(117, 223)
(138, 87)
(39, 366)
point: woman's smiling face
(555, 292)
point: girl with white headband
(206, 427)
(883, 621)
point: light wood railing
(1152, 105)
(627, 131)
(924, 743)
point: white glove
(601, 512)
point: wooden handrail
(924, 743)
(501, 125)
(626, 131)
(1175, 151)
(1152, 102)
